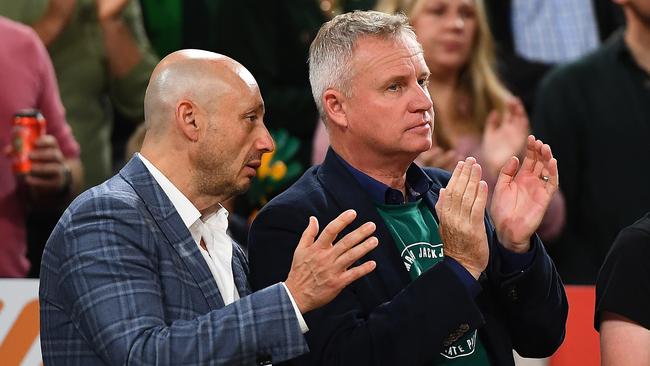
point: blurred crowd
(575, 73)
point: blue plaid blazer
(122, 282)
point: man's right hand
(461, 210)
(320, 270)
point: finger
(441, 207)
(46, 141)
(529, 160)
(547, 154)
(357, 272)
(309, 235)
(46, 155)
(469, 196)
(553, 174)
(353, 238)
(43, 183)
(46, 169)
(492, 120)
(355, 253)
(455, 174)
(328, 235)
(456, 192)
(508, 171)
(539, 162)
(478, 209)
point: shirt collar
(417, 184)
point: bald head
(195, 75)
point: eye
(394, 87)
(467, 12)
(424, 82)
(252, 117)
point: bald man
(140, 270)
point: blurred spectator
(595, 114)
(102, 60)
(29, 82)
(534, 35)
(623, 298)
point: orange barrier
(581, 345)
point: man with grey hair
(452, 285)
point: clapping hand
(522, 195)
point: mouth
(254, 164)
(424, 126)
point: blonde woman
(475, 115)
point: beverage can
(28, 126)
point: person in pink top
(29, 82)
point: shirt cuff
(470, 283)
(303, 326)
(512, 262)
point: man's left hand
(521, 197)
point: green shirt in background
(416, 235)
(88, 91)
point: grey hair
(330, 54)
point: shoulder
(19, 36)
(632, 245)
(306, 191)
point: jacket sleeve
(359, 327)
(534, 303)
(110, 275)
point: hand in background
(49, 173)
(505, 135)
(438, 157)
(56, 18)
(521, 197)
(319, 270)
(109, 9)
(461, 211)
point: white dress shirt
(212, 229)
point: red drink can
(28, 126)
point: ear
(186, 120)
(334, 103)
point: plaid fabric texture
(122, 282)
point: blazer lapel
(173, 228)
(347, 192)
(240, 270)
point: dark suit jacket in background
(384, 318)
(521, 75)
(123, 282)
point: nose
(455, 22)
(421, 101)
(265, 142)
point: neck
(390, 171)
(637, 38)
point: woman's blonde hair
(478, 78)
